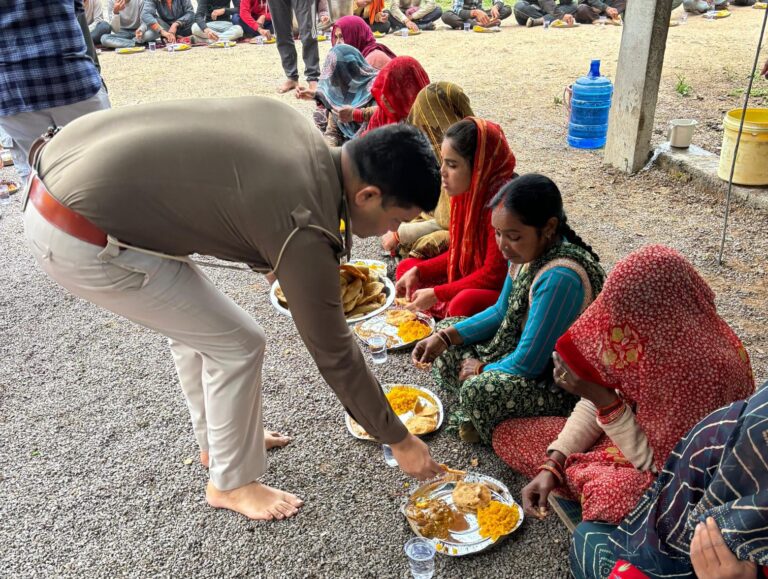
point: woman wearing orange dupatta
(649, 358)
(395, 90)
(468, 277)
(372, 11)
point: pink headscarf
(357, 33)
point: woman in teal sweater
(498, 362)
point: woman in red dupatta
(395, 89)
(650, 358)
(468, 277)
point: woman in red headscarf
(354, 31)
(468, 277)
(649, 359)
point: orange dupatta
(493, 166)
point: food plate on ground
(130, 50)
(378, 34)
(463, 513)
(482, 29)
(177, 47)
(222, 44)
(270, 40)
(322, 38)
(375, 265)
(364, 293)
(12, 187)
(401, 327)
(561, 24)
(419, 408)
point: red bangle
(479, 369)
(612, 416)
(554, 472)
(610, 408)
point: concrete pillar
(638, 73)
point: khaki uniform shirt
(246, 179)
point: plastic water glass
(378, 347)
(421, 557)
(683, 17)
(404, 32)
(602, 21)
(467, 26)
(710, 15)
(5, 195)
(152, 46)
(259, 40)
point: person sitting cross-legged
(214, 21)
(589, 11)
(537, 12)
(256, 19)
(94, 17)
(472, 11)
(702, 6)
(126, 27)
(372, 11)
(172, 20)
(414, 14)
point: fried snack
(397, 317)
(362, 310)
(425, 409)
(281, 297)
(471, 496)
(452, 473)
(497, 519)
(421, 424)
(432, 517)
(354, 271)
(401, 301)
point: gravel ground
(94, 430)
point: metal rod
(738, 139)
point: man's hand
(422, 299)
(611, 13)
(469, 368)
(325, 19)
(169, 37)
(303, 93)
(412, 455)
(495, 12)
(569, 381)
(138, 34)
(268, 36)
(406, 284)
(211, 34)
(481, 17)
(118, 7)
(389, 241)
(712, 559)
(218, 12)
(411, 25)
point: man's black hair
(399, 160)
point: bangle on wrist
(479, 369)
(552, 470)
(445, 338)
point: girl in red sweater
(468, 277)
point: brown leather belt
(63, 217)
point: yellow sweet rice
(413, 330)
(402, 398)
(496, 520)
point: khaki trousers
(217, 347)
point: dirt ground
(516, 78)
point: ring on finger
(563, 376)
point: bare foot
(270, 277)
(312, 85)
(287, 86)
(205, 458)
(255, 501)
(274, 439)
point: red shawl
(395, 89)
(357, 33)
(655, 336)
(493, 166)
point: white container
(681, 132)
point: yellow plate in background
(271, 40)
(130, 50)
(722, 14)
(222, 44)
(378, 34)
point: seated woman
(710, 499)
(354, 31)
(466, 279)
(395, 89)
(345, 81)
(437, 107)
(373, 14)
(702, 6)
(649, 358)
(495, 361)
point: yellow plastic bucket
(752, 162)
